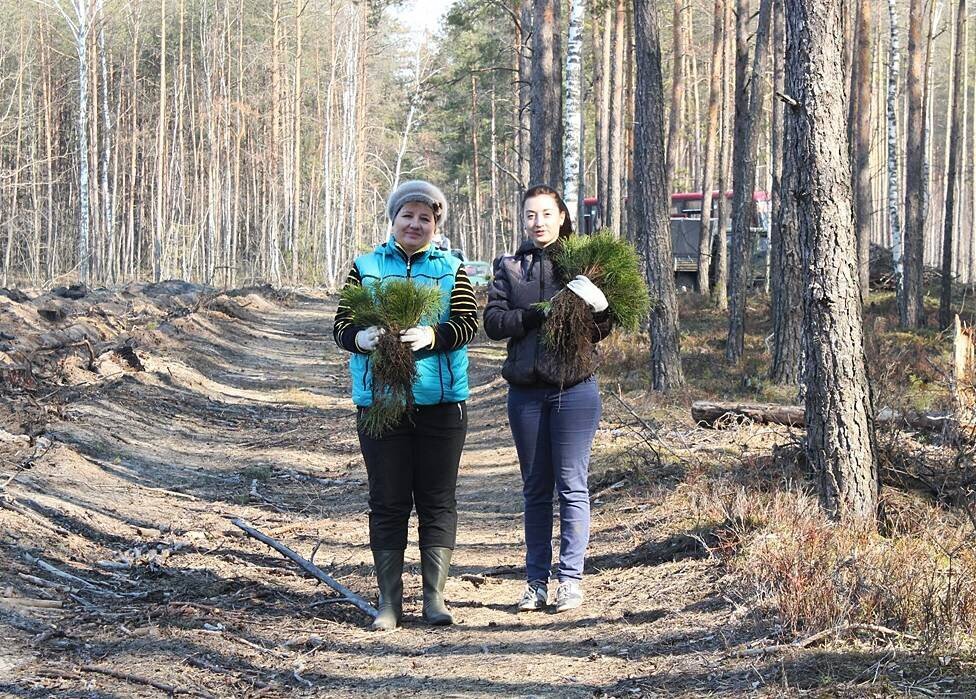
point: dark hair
(566, 229)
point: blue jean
(553, 432)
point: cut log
(711, 414)
(708, 414)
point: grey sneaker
(569, 595)
(535, 597)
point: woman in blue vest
(416, 463)
(553, 417)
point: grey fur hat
(418, 190)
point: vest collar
(392, 247)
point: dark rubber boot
(389, 579)
(434, 565)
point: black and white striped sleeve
(343, 329)
(462, 323)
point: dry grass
(748, 497)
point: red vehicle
(686, 209)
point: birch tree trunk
(573, 118)
(524, 94)
(81, 26)
(602, 83)
(652, 201)
(840, 430)
(894, 220)
(160, 150)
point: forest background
(237, 141)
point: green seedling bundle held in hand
(610, 263)
(394, 305)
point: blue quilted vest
(442, 377)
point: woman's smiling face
(414, 226)
(542, 219)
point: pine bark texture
(676, 118)
(652, 201)
(911, 311)
(712, 136)
(546, 139)
(840, 430)
(952, 176)
(613, 206)
(720, 293)
(860, 126)
(784, 250)
(748, 106)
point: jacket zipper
(542, 294)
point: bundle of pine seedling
(394, 305)
(613, 266)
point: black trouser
(417, 462)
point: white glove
(367, 339)
(419, 338)
(589, 292)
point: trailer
(686, 210)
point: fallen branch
(37, 519)
(44, 565)
(136, 679)
(309, 568)
(835, 631)
(501, 570)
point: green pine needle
(395, 305)
(613, 265)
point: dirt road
(250, 417)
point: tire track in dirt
(250, 416)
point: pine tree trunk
(652, 202)
(546, 164)
(911, 311)
(958, 67)
(840, 430)
(720, 291)
(748, 105)
(614, 201)
(676, 119)
(712, 137)
(784, 249)
(860, 126)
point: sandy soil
(241, 409)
